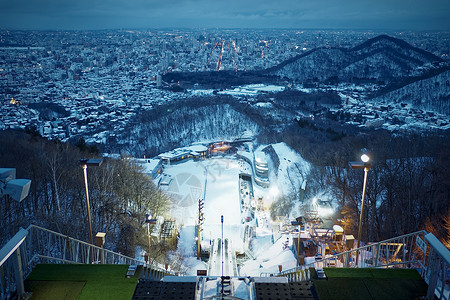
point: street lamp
(366, 166)
(149, 220)
(84, 164)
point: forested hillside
(120, 194)
(382, 59)
(431, 93)
(179, 126)
(407, 188)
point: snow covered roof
(198, 148)
(149, 165)
(177, 153)
(174, 154)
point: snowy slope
(292, 171)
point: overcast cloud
(113, 14)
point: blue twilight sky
(114, 14)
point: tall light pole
(221, 221)
(199, 227)
(298, 223)
(366, 166)
(149, 220)
(84, 164)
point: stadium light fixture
(17, 189)
(364, 164)
(84, 163)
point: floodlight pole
(84, 164)
(199, 227)
(366, 166)
(149, 220)
(148, 237)
(298, 223)
(88, 207)
(366, 171)
(221, 220)
(298, 246)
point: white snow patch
(269, 257)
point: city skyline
(140, 14)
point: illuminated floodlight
(366, 166)
(365, 158)
(324, 211)
(323, 207)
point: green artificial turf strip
(321, 287)
(341, 288)
(102, 281)
(77, 272)
(396, 273)
(108, 290)
(395, 288)
(371, 273)
(368, 283)
(348, 273)
(55, 290)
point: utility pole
(201, 203)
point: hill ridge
(382, 58)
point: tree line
(120, 193)
(407, 188)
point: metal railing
(395, 252)
(437, 271)
(39, 245)
(419, 250)
(13, 266)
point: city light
(324, 211)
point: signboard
(421, 244)
(201, 272)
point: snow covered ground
(293, 169)
(252, 90)
(269, 256)
(220, 176)
(217, 181)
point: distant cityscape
(218, 151)
(90, 83)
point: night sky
(302, 14)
